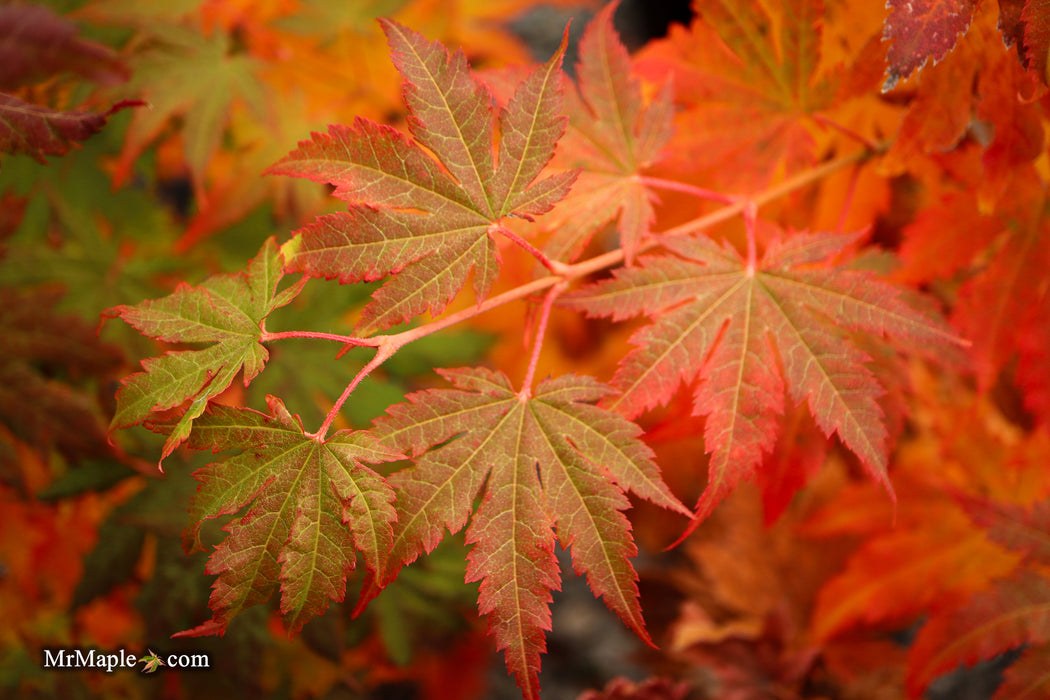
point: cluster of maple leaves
(785, 196)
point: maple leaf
(428, 219)
(1014, 612)
(612, 136)
(927, 253)
(745, 332)
(183, 74)
(1028, 677)
(1021, 528)
(151, 662)
(1036, 42)
(920, 30)
(1002, 260)
(38, 44)
(733, 574)
(745, 75)
(311, 505)
(953, 535)
(547, 460)
(39, 131)
(43, 356)
(938, 115)
(747, 589)
(1027, 24)
(226, 310)
(1002, 308)
(899, 575)
(1018, 127)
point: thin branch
(750, 222)
(615, 257)
(541, 330)
(557, 268)
(826, 121)
(848, 200)
(674, 185)
(387, 345)
(383, 353)
(770, 194)
(345, 339)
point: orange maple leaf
(745, 75)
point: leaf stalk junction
(563, 274)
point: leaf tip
(212, 627)
(369, 590)
(126, 104)
(892, 78)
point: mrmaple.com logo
(122, 658)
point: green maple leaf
(198, 79)
(546, 460)
(746, 333)
(226, 310)
(425, 210)
(151, 662)
(312, 505)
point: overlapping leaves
(227, 311)
(746, 333)
(312, 505)
(1003, 307)
(967, 549)
(1012, 612)
(546, 460)
(425, 210)
(612, 136)
(746, 75)
(37, 45)
(922, 30)
(927, 30)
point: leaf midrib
(459, 131)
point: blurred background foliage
(170, 191)
(173, 190)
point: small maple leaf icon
(152, 662)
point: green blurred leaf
(429, 600)
(93, 475)
(111, 562)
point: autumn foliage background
(818, 569)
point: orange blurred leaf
(745, 75)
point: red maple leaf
(920, 30)
(613, 136)
(545, 459)
(748, 331)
